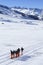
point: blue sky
(23, 3)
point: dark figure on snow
(22, 50)
(18, 52)
(12, 54)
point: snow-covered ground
(17, 35)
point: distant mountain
(24, 13)
(5, 10)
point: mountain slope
(20, 12)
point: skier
(22, 50)
(12, 54)
(18, 53)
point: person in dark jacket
(12, 54)
(22, 50)
(18, 52)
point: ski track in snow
(4, 54)
(29, 50)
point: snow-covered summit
(22, 13)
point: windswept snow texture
(16, 35)
(21, 27)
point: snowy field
(17, 35)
